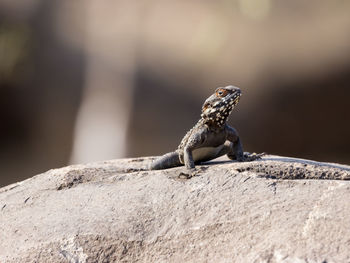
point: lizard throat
(217, 115)
(215, 121)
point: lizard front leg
(188, 158)
(236, 151)
(194, 142)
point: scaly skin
(211, 137)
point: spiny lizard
(211, 137)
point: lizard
(211, 137)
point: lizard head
(218, 106)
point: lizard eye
(221, 93)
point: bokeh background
(83, 81)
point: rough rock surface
(231, 212)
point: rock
(113, 211)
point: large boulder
(273, 210)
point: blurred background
(83, 81)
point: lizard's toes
(183, 175)
(248, 157)
(189, 174)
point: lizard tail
(168, 160)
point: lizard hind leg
(168, 160)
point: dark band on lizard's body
(211, 137)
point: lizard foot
(189, 174)
(248, 157)
(183, 175)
